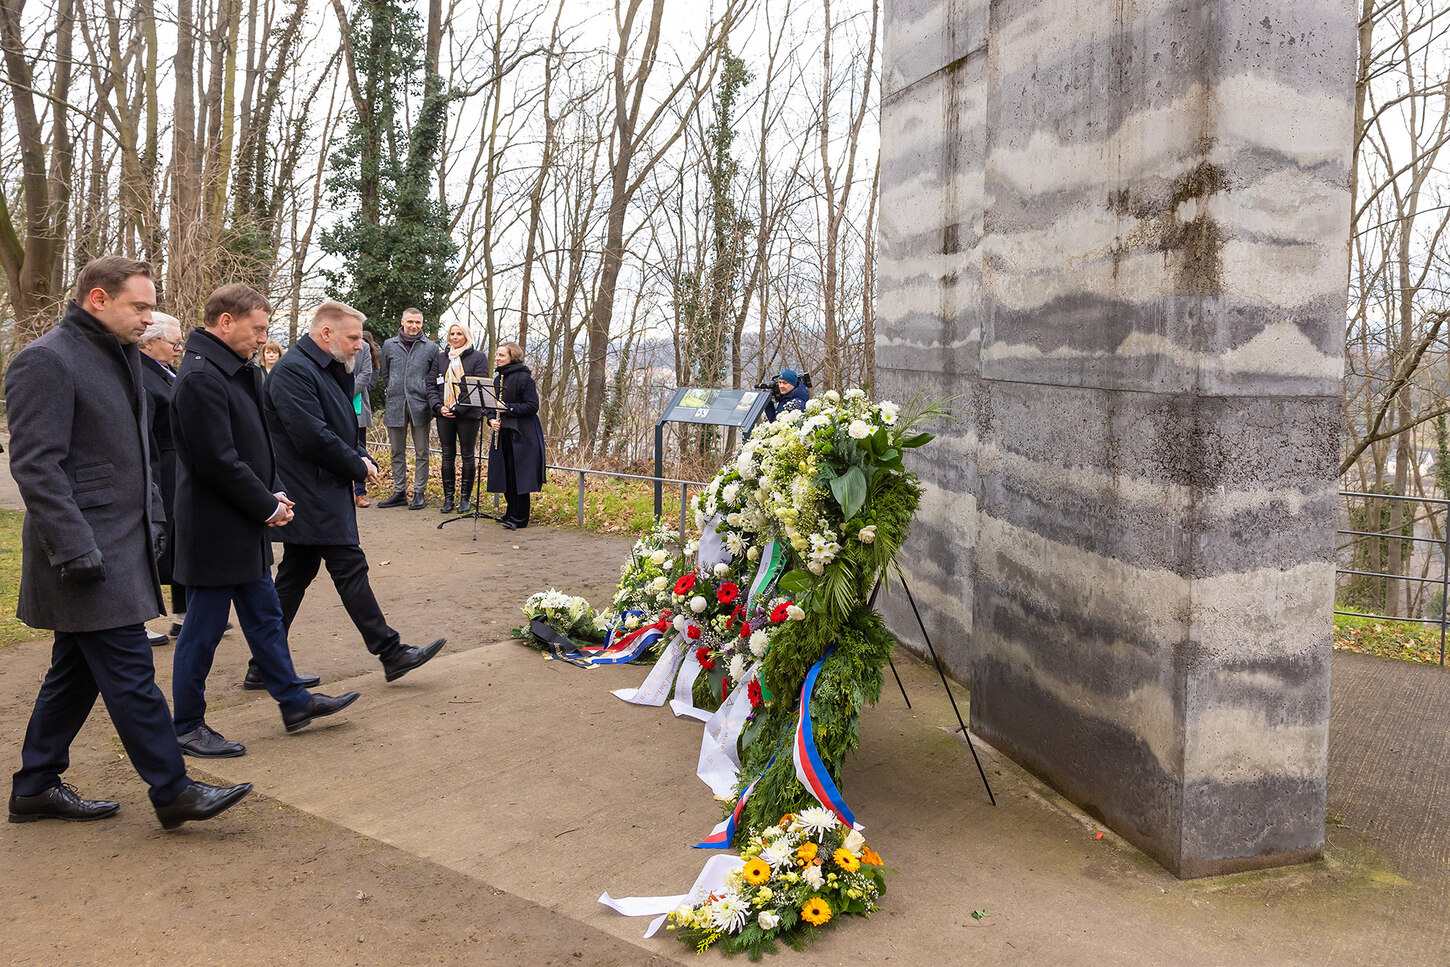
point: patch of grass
(1387, 638)
(12, 631)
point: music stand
(476, 391)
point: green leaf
(849, 489)
(979, 914)
(880, 441)
(796, 581)
(917, 440)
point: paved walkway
(528, 778)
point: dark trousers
(260, 615)
(516, 505)
(360, 488)
(178, 598)
(455, 434)
(348, 566)
(116, 664)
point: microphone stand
(474, 391)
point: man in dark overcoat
(310, 414)
(403, 370)
(80, 457)
(227, 495)
(159, 345)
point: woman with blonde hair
(458, 422)
(271, 352)
(516, 454)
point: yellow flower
(816, 911)
(871, 858)
(756, 872)
(805, 853)
(845, 861)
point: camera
(806, 380)
(766, 387)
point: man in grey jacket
(403, 369)
(93, 529)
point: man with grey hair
(314, 429)
(160, 344)
(403, 368)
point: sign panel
(716, 407)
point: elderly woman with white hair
(160, 345)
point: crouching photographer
(791, 392)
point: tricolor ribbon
(724, 832)
(619, 649)
(809, 768)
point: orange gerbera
(846, 861)
(871, 857)
(756, 872)
(816, 912)
(805, 852)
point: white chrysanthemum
(888, 411)
(795, 613)
(679, 622)
(722, 569)
(832, 396)
(854, 842)
(729, 913)
(778, 854)
(697, 604)
(855, 393)
(815, 821)
(767, 920)
(816, 568)
(734, 544)
(758, 641)
(737, 668)
(731, 491)
(859, 430)
(813, 877)
(813, 405)
(734, 519)
(789, 417)
(691, 548)
(868, 534)
(712, 507)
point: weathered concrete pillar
(1119, 230)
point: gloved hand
(87, 568)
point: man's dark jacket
(157, 380)
(225, 471)
(79, 454)
(796, 399)
(309, 411)
(521, 432)
(475, 364)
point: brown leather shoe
(360, 500)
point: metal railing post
(581, 498)
(1444, 580)
(684, 506)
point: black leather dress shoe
(60, 802)
(407, 659)
(419, 502)
(398, 499)
(156, 639)
(253, 681)
(206, 743)
(317, 707)
(200, 801)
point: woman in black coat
(457, 423)
(516, 453)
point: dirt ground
(473, 812)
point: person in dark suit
(516, 452)
(227, 496)
(159, 345)
(310, 414)
(93, 517)
(458, 423)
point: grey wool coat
(364, 378)
(80, 456)
(404, 375)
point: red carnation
(737, 613)
(702, 655)
(693, 631)
(753, 690)
(745, 630)
(780, 613)
(685, 584)
(666, 614)
(724, 689)
(727, 592)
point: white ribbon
(712, 549)
(656, 685)
(683, 704)
(719, 765)
(711, 880)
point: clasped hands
(283, 514)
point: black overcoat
(79, 454)
(157, 380)
(521, 432)
(226, 475)
(474, 364)
(309, 411)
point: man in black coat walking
(227, 496)
(314, 427)
(80, 457)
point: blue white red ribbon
(724, 832)
(809, 768)
(620, 648)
